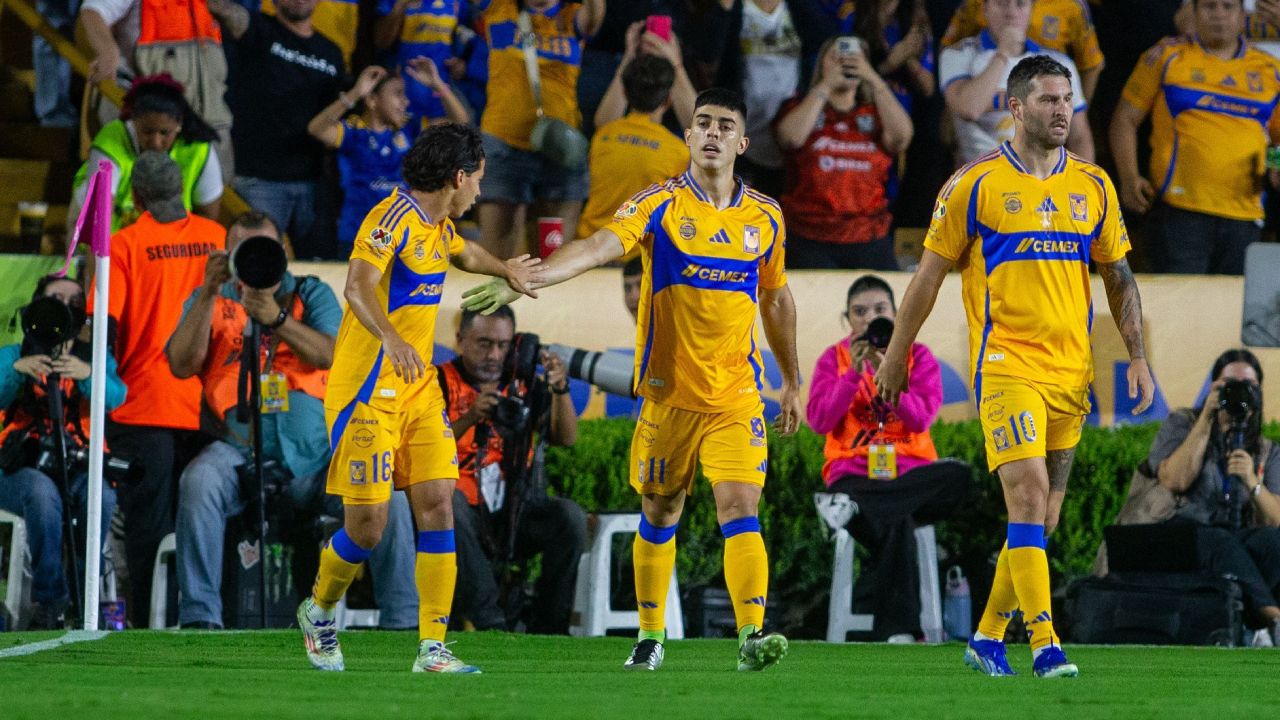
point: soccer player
(1022, 224)
(384, 409)
(713, 254)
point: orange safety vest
(857, 430)
(221, 373)
(177, 21)
(26, 416)
(459, 396)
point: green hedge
(594, 473)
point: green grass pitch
(141, 675)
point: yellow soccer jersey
(696, 346)
(1062, 25)
(1023, 247)
(413, 254)
(627, 155)
(1208, 125)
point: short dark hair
(43, 284)
(253, 220)
(1028, 69)
(647, 82)
(440, 152)
(721, 97)
(870, 282)
(161, 94)
(469, 317)
(634, 267)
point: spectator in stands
(636, 151)
(900, 46)
(973, 73)
(53, 104)
(469, 67)
(770, 73)
(409, 29)
(180, 39)
(372, 145)
(840, 140)
(501, 512)
(1210, 95)
(517, 175)
(632, 280)
(286, 72)
(640, 42)
(155, 116)
(1062, 25)
(300, 321)
(883, 458)
(1261, 23)
(1237, 532)
(26, 488)
(155, 264)
(338, 20)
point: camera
(512, 413)
(1239, 399)
(115, 470)
(259, 262)
(47, 323)
(878, 334)
(611, 372)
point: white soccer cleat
(434, 657)
(646, 655)
(320, 637)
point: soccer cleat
(434, 656)
(988, 658)
(759, 650)
(646, 655)
(320, 638)
(1052, 663)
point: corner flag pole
(95, 219)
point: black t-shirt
(280, 82)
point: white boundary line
(72, 636)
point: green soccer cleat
(434, 657)
(758, 650)
(320, 637)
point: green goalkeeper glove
(489, 297)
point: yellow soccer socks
(435, 573)
(1002, 603)
(653, 559)
(746, 570)
(1029, 569)
(340, 560)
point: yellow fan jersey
(696, 338)
(1023, 247)
(1062, 25)
(413, 254)
(511, 111)
(628, 154)
(1209, 132)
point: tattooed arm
(1126, 310)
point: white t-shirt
(771, 72)
(967, 59)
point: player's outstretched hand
(404, 358)
(520, 271)
(788, 421)
(1139, 375)
(488, 297)
(891, 379)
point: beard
(294, 15)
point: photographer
(299, 318)
(27, 467)
(882, 456)
(1225, 479)
(501, 511)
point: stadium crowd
(857, 112)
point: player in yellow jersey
(712, 250)
(1022, 223)
(384, 409)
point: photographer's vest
(855, 433)
(221, 373)
(26, 417)
(114, 142)
(459, 396)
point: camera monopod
(259, 262)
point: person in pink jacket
(883, 457)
